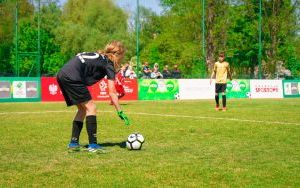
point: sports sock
(224, 101)
(76, 129)
(91, 127)
(217, 99)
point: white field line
(162, 115)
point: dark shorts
(220, 88)
(74, 92)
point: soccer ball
(177, 96)
(135, 141)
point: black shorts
(74, 92)
(220, 88)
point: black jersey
(89, 68)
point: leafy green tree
(52, 59)
(279, 32)
(231, 26)
(7, 14)
(28, 42)
(174, 37)
(89, 25)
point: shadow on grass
(111, 144)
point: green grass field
(256, 143)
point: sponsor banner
(196, 89)
(51, 90)
(158, 89)
(131, 89)
(5, 90)
(238, 89)
(99, 91)
(21, 89)
(266, 89)
(32, 90)
(25, 89)
(291, 88)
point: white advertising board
(266, 89)
(19, 89)
(196, 89)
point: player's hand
(123, 117)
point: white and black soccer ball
(177, 96)
(135, 141)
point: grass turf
(188, 144)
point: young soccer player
(83, 70)
(221, 70)
(119, 84)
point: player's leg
(77, 125)
(224, 97)
(120, 95)
(91, 126)
(91, 121)
(224, 101)
(217, 96)
(217, 101)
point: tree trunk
(210, 36)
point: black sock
(91, 127)
(224, 100)
(77, 126)
(217, 99)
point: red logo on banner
(266, 89)
(131, 89)
(99, 91)
(51, 90)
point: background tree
(177, 37)
(7, 20)
(28, 40)
(171, 37)
(89, 25)
(52, 59)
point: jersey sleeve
(110, 72)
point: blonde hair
(114, 50)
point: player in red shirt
(119, 85)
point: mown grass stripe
(166, 115)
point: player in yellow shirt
(221, 71)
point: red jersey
(119, 82)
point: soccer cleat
(224, 109)
(73, 147)
(96, 148)
(217, 108)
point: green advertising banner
(20, 89)
(238, 89)
(291, 88)
(161, 89)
